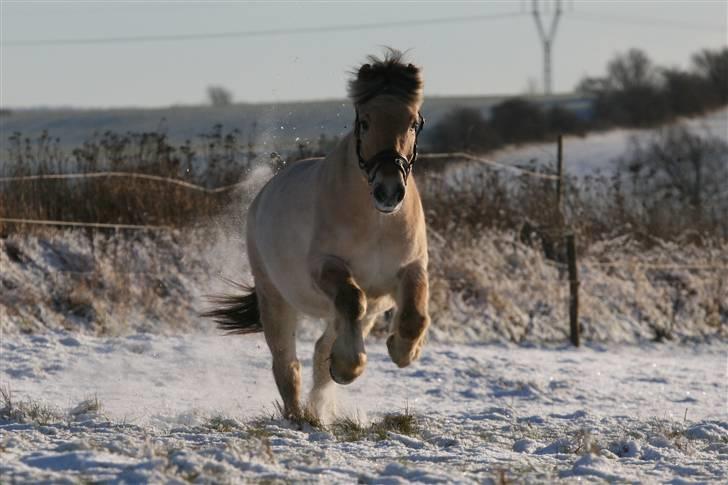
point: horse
(342, 239)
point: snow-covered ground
(112, 323)
(194, 407)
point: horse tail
(238, 314)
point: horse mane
(389, 75)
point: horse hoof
(339, 380)
(349, 375)
(401, 357)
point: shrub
(687, 93)
(677, 180)
(563, 121)
(219, 96)
(516, 121)
(462, 129)
(713, 67)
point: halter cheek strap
(371, 167)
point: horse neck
(344, 175)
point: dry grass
(347, 428)
(217, 160)
(595, 207)
(104, 284)
(27, 411)
(222, 424)
(352, 429)
(305, 418)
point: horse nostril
(399, 193)
(380, 193)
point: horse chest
(376, 262)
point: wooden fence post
(560, 181)
(573, 290)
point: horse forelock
(390, 75)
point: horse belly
(282, 234)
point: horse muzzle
(388, 197)
(387, 174)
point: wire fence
(701, 265)
(488, 162)
(130, 175)
(199, 188)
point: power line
(647, 22)
(258, 33)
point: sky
(464, 48)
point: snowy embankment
(198, 408)
(599, 153)
(488, 289)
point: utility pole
(547, 40)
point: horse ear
(365, 70)
(412, 68)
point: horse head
(387, 96)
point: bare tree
(679, 169)
(631, 71)
(219, 96)
(713, 65)
(630, 94)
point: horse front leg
(348, 356)
(412, 318)
(322, 402)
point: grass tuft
(349, 429)
(352, 429)
(222, 424)
(85, 407)
(302, 418)
(26, 411)
(405, 423)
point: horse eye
(414, 126)
(364, 125)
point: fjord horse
(342, 239)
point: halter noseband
(371, 167)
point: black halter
(371, 167)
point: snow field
(200, 408)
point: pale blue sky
(496, 56)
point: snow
(619, 413)
(596, 153)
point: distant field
(277, 125)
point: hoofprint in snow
(194, 407)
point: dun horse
(342, 239)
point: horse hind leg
(279, 321)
